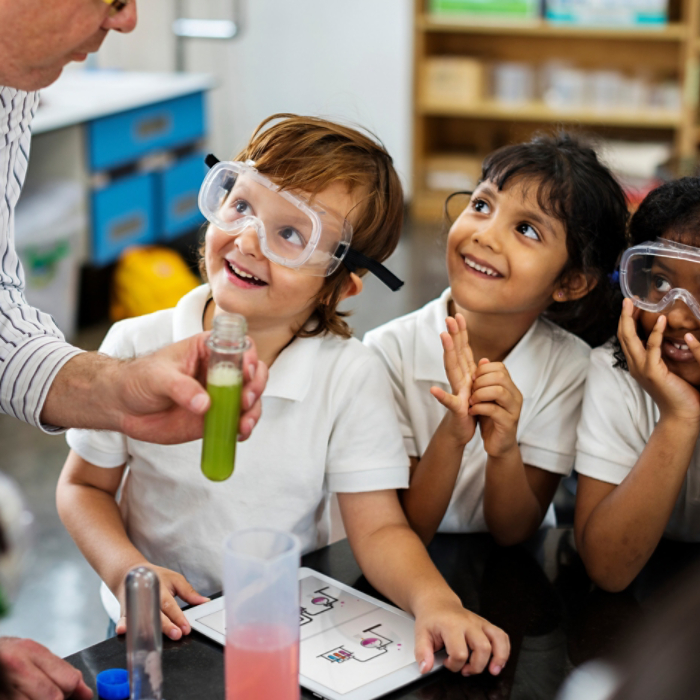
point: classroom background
(108, 222)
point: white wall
(343, 60)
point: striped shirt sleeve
(32, 349)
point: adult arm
(157, 398)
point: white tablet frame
(369, 691)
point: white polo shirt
(548, 365)
(617, 421)
(328, 425)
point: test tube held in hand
(227, 343)
(144, 636)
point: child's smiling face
(683, 274)
(504, 254)
(269, 295)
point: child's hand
(460, 368)
(498, 402)
(470, 641)
(172, 618)
(675, 397)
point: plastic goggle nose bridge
(352, 259)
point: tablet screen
(347, 642)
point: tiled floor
(59, 603)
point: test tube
(224, 382)
(144, 637)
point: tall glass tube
(144, 636)
(224, 382)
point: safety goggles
(116, 6)
(293, 231)
(655, 274)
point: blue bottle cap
(113, 684)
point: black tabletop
(538, 592)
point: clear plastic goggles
(292, 230)
(656, 274)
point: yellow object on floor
(149, 279)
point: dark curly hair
(576, 188)
(671, 211)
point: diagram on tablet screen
(368, 645)
(346, 641)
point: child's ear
(574, 286)
(352, 287)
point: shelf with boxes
(131, 145)
(482, 82)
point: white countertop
(83, 95)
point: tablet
(352, 646)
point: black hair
(671, 211)
(576, 188)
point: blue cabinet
(178, 192)
(119, 139)
(123, 214)
(163, 139)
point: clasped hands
(483, 393)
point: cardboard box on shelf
(452, 173)
(452, 80)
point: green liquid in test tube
(224, 383)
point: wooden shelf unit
(443, 128)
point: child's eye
(292, 237)
(242, 207)
(528, 231)
(480, 206)
(660, 284)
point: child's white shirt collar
(428, 357)
(292, 372)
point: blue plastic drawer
(178, 191)
(122, 138)
(123, 214)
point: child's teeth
(480, 268)
(240, 273)
(680, 346)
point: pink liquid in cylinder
(259, 666)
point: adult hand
(163, 399)
(460, 368)
(156, 398)
(34, 673)
(675, 397)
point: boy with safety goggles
(296, 219)
(638, 457)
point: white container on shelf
(49, 221)
(513, 82)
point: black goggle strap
(355, 260)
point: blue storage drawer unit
(123, 214)
(123, 138)
(179, 189)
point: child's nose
(248, 242)
(681, 317)
(488, 235)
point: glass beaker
(261, 587)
